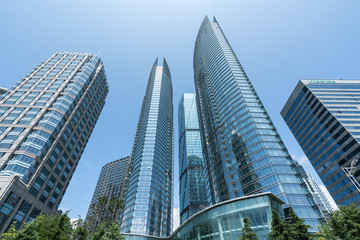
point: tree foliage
(279, 229)
(11, 234)
(343, 224)
(59, 227)
(293, 229)
(297, 228)
(105, 210)
(99, 232)
(44, 227)
(81, 230)
(325, 232)
(112, 233)
(247, 233)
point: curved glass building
(224, 221)
(243, 152)
(149, 192)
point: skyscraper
(317, 193)
(193, 196)
(324, 117)
(149, 192)
(46, 120)
(243, 152)
(111, 184)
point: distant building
(46, 120)
(243, 151)
(111, 183)
(192, 189)
(324, 116)
(2, 92)
(149, 191)
(317, 193)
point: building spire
(214, 20)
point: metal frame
(349, 172)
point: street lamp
(349, 171)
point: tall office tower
(324, 117)
(193, 196)
(46, 120)
(317, 193)
(149, 192)
(243, 151)
(111, 184)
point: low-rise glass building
(224, 221)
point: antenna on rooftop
(99, 51)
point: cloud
(302, 159)
(176, 218)
(329, 197)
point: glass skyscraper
(324, 116)
(317, 193)
(243, 152)
(149, 192)
(111, 184)
(193, 196)
(46, 119)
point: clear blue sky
(277, 42)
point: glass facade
(192, 191)
(46, 119)
(324, 116)
(149, 191)
(243, 152)
(317, 193)
(2, 92)
(111, 183)
(224, 221)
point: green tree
(81, 230)
(105, 211)
(11, 234)
(279, 229)
(59, 227)
(297, 227)
(247, 233)
(294, 229)
(345, 223)
(44, 227)
(113, 233)
(98, 233)
(325, 232)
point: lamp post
(349, 171)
